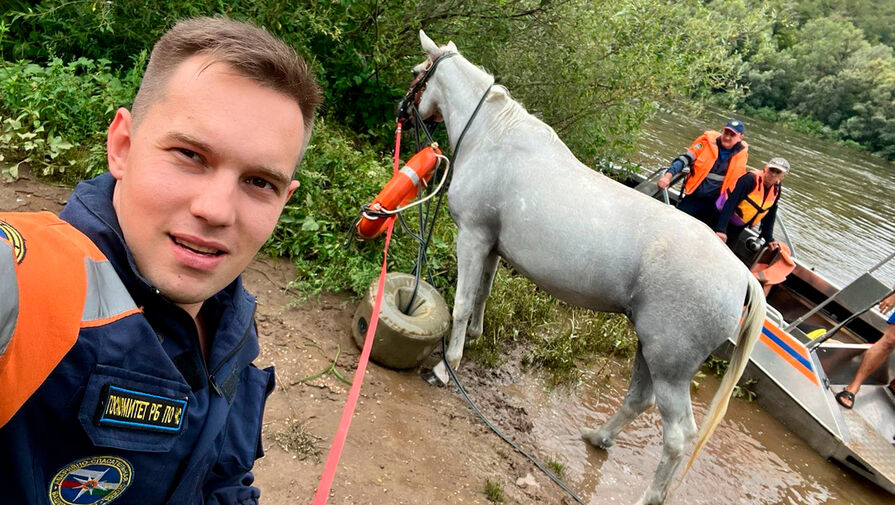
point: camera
(749, 246)
(753, 244)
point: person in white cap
(753, 201)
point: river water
(751, 458)
(838, 203)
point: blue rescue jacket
(129, 413)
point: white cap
(780, 164)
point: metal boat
(796, 366)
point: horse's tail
(750, 329)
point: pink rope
(335, 451)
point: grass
(745, 389)
(493, 491)
(558, 469)
(298, 440)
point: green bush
(338, 177)
(555, 336)
(55, 116)
(593, 70)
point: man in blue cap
(716, 160)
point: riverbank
(411, 443)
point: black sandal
(848, 395)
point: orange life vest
(54, 281)
(774, 269)
(757, 203)
(705, 152)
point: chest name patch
(136, 410)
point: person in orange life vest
(717, 160)
(751, 202)
(126, 336)
(873, 358)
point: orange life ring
(399, 191)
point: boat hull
(791, 384)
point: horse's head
(422, 95)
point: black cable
(500, 434)
(421, 256)
(426, 217)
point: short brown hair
(251, 51)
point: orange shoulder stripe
(52, 288)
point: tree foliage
(592, 69)
(826, 70)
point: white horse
(518, 193)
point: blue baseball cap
(735, 125)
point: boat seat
(862, 292)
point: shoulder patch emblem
(95, 481)
(699, 145)
(15, 238)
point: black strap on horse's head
(411, 99)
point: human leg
(702, 209)
(873, 358)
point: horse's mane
(512, 113)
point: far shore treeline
(593, 69)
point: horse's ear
(451, 47)
(430, 47)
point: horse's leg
(477, 320)
(638, 398)
(473, 247)
(678, 431)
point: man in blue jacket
(126, 337)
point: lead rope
(335, 451)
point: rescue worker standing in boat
(873, 358)
(751, 202)
(717, 161)
(126, 336)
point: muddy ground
(412, 443)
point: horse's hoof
(473, 334)
(431, 377)
(595, 439)
(650, 498)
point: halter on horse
(519, 193)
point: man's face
(201, 181)
(772, 175)
(729, 138)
